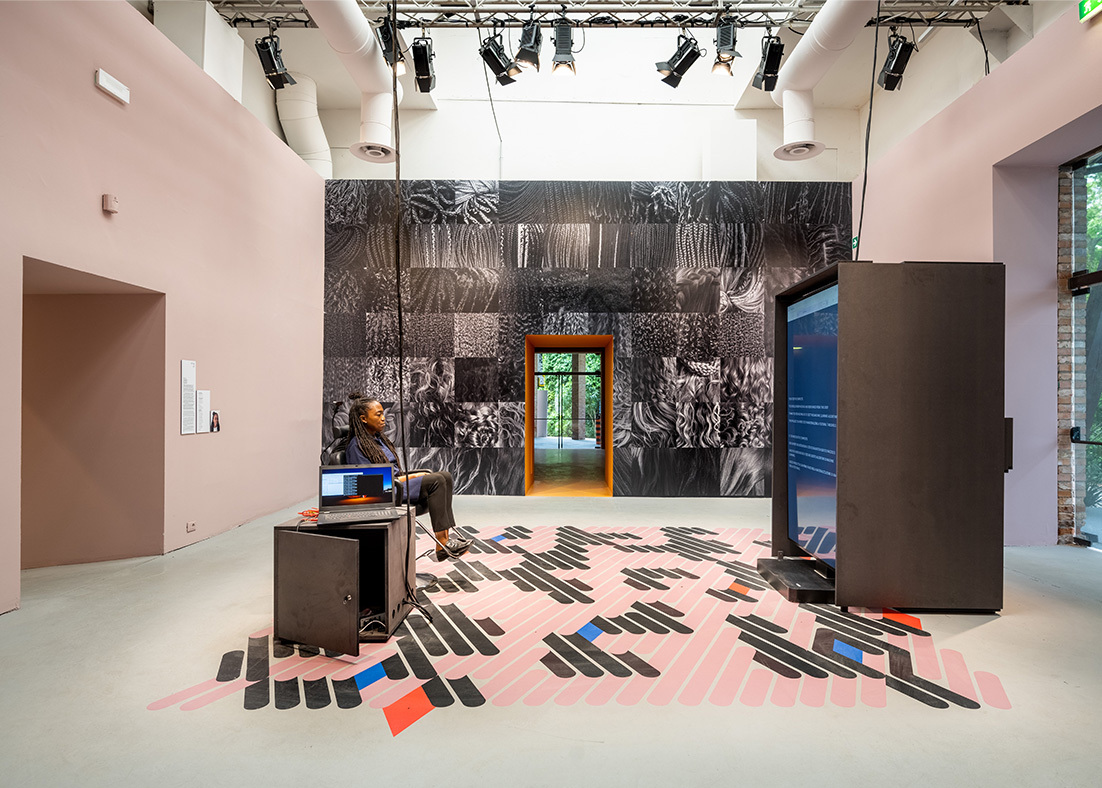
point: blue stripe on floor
(847, 650)
(365, 678)
(497, 538)
(590, 631)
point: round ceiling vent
(373, 152)
(795, 151)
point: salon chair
(334, 454)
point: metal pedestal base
(425, 580)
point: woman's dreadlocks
(365, 439)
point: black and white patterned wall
(682, 275)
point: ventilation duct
(353, 39)
(297, 106)
(830, 33)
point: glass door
(568, 401)
(1087, 334)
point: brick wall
(1071, 357)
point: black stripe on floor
(662, 618)
(639, 665)
(751, 583)
(257, 666)
(566, 588)
(416, 658)
(571, 655)
(466, 691)
(461, 580)
(490, 627)
(257, 695)
(554, 664)
(446, 585)
(605, 625)
(394, 668)
(486, 572)
(824, 644)
(316, 692)
(571, 548)
(306, 652)
(636, 584)
(627, 625)
(449, 633)
(538, 560)
(669, 611)
(606, 661)
(286, 694)
(433, 645)
(646, 581)
(282, 649)
(437, 692)
(765, 624)
(728, 595)
(230, 666)
(473, 633)
(775, 666)
(555, 594)
(564, 557)
(824, 661)
(858, 623)
(467, 570)
(647, 623)
(347, 693)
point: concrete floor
(94, 645)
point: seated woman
(369, 446)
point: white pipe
(297, 106)
(352, 38)
(833, 30)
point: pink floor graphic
(567, 615)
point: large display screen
(813, 423)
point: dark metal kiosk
(326, 577)
(890, 442)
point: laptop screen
(356, 485)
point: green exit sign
(1088, 8)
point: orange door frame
(566, 343)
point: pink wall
(216, 213)
(93, 428)
(978, 183)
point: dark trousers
(436, 494)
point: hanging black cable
(986, 55)
(411, 594)
(493, 109)
(868, 133)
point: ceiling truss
(794, 14)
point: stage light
(531, 39)
(392, 48)
(271, 58)
(899, 52)
(564, 47)
(771, 52)
(725, 46)
(687, 53)
(424, 74)
(494, 55)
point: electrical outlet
(191, 528)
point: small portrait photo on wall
(215, 424)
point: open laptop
(350, 494)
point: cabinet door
(317, 594)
